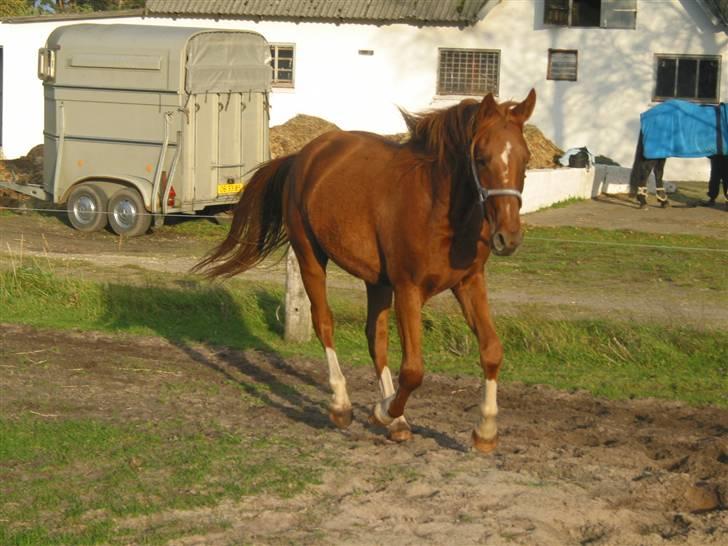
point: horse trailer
(145, 121)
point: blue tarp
(677, 128)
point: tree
(13, 8)
(77, 6)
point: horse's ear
(488, 107)
(524, 110)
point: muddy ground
(571, 468)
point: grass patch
(564, 203)
(67, 481)
(601, 258)
(607, 357)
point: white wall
(601, 110)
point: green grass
(564, 203)
(605, 356)
(67, 481)
(602, 258)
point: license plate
(229, 189)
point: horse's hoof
(664, 204)
(484, 446)
(399, 433)
(374, 421)
(341, 418)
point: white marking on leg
(381, 410)
(487, 429)
(505, 155)
(340, 399)
(385, 383)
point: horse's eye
(480, 161)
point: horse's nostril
(499, 242)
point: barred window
(692, 77)
(282, 56)
(468, 72)
(562, 64)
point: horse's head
(498, 156)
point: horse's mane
(445, 135)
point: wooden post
(298, 326)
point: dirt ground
(570, 469)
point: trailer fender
(110, 184)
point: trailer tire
(86, 208)
(127, 215)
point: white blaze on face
(337, 381)
(505, 156)
(488, 410)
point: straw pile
(24, 170)
(298, 131)
(544, 153)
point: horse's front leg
(473, 299)
(390, 410)
(379, 301)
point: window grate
(282, 64)
(468, 72)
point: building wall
(333, 81)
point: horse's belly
(352, 246)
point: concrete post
(298, 327)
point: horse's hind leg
(379, 301)
(313, 274)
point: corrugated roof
(440, 12)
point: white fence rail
(544, 187)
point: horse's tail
(257, 228)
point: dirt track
(571, 469)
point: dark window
(687, 77)
(591, 13)
(468, 72)
(282, 63)
(562, 64)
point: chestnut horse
(411, 220)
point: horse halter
(484, 193)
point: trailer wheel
(87, 208)
(127, 215)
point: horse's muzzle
(504, 243)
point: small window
(468, 72)
(591, 13)
(562, 64)
(282, 56)
(692, 77)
